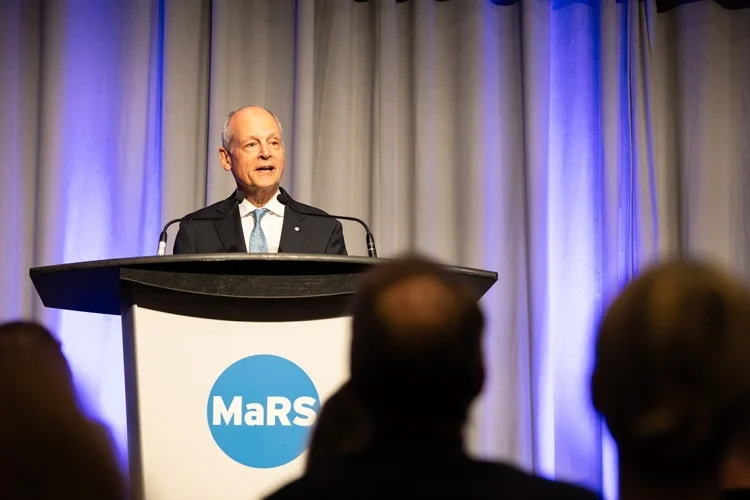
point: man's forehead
(254, 121)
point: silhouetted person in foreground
(672, 379)
(736, 468)
(343, 427)
(48, 448)
(416, 366)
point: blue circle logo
(261, 409)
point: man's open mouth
(265, 169)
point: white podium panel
(225, 408)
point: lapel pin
(296, 228)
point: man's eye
(252, 144)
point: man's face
(256, 154)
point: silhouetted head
(48, 447)
(19, 340)
(416, 355)
(672, 371)
(343, 427)
(735, 474)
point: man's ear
(225, 159)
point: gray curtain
(563, 144)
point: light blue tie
(258, 243)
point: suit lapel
(294, 230)
(229, 228)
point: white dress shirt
(271, 223)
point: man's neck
(260, 197)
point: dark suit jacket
(424, 471)
(315, 234)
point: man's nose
(264, 152)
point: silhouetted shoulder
(522, 485)
(467, 479)
(563, 491)
(737, 494)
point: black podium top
(96, 286)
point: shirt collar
(273, 206)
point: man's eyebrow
(256, 137)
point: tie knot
(258, 214)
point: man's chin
(261, 185)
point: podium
(227, 359)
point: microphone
(284, 199)
(238, 197)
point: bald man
(671, 380)
(416, 366)
(252, 219)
